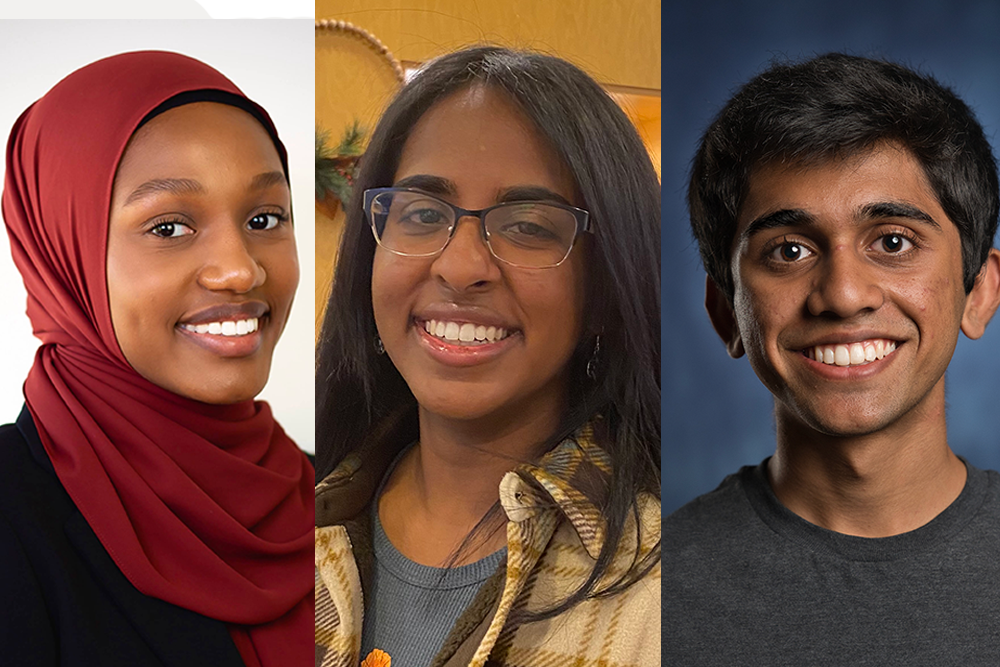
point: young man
(845, 210)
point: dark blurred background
(717, 415)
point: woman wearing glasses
(488, 388)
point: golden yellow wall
(615, 41)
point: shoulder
(26, 635)
(338, 597)
(714, 515)
(622, 628)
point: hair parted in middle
(361, 399)
(835, 106)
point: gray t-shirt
(412, 607)
(748, 582)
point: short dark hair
(361, 399)
(835, 106)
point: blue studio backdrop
(717, 415)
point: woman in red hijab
(151, 513)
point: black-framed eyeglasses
(529, 234)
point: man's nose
(845, 285)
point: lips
(463, 336)
(228, 330)
(857, 353)
(466, 333)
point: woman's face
(475, 149)
(202, 265)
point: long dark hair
(361, 399)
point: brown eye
(264, 221)
(168, 230)
(895, 243)
(790, 252)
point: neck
(878, 484)
(442, 488)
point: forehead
(480, 140)
(186, 137)
(840, 189)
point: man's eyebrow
(266, 180)
(158, 185)
(893, 209)
(786, 217)
(873, 211)
(432, 185)
(530, 193)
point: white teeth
(857, 353)
(464, 332)
(227, 328)
(852, 354)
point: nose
(466, 262)
(846, 285)
(228, 263)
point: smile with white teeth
(227, 328)
(464, 333)
(852, 354)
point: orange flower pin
(377, 658)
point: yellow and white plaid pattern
(554, 531)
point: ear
(721, 313)
(984, 298)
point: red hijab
(208, 507)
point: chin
(457, 404)
(845, 421)
(222, 389)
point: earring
(594, 358)
(379, 347)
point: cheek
(281, 264)
(553, 305)
(392, 283)
(141, 295)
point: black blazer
(63, 601)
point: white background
(272, 63)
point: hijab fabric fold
(208, 507)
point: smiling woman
(150, 511)
(201, 269)
(488, 379)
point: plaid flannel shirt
(554, 532)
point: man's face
(848, 291)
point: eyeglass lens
(531, 234)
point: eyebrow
(796, 217)
(432, 185)
(267, 179)
(181, 186)
(436, 185)
(168, 185)
(530, 193)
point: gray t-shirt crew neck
(412, 607)
(748, 582)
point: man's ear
(723, 319)
(984, 298)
